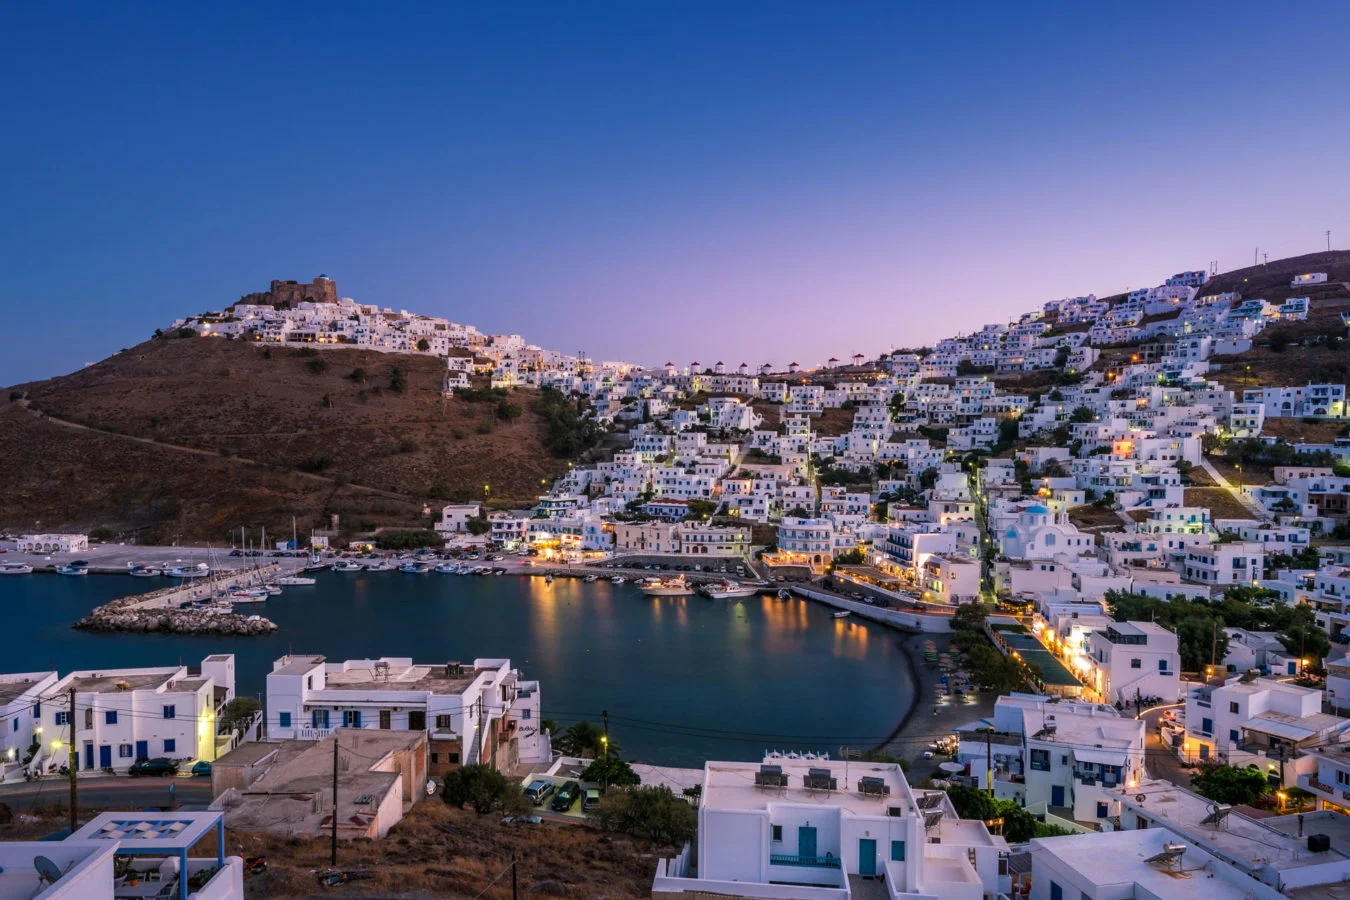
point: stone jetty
(154, 611)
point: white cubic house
(20, 706)
(123, 715)
(479, 713)
(817, 829)
(1130, 661)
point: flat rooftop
(433, 679)
(731, 785)
(12, 687)
(1245, 841)
(115, 681)
(1112, 858)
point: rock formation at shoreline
(122, 615)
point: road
(1159, 760)
(109, 792)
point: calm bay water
(684, 679)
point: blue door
(1057, 795)
(88, 756)
(806, 842)
(867, 857)
(142, 749)
(105, 756)
(1293, 667)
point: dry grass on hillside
(1222, 504)
(389, 428)
(1298, 431)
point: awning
(1104, 757)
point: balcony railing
(815, 862)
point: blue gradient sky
(743, 181)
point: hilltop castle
(290, 293)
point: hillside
(1291, 353)
(278, 432)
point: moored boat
(728, 590)
(11, 568)
(139, 571)
(842, 614)
(348, 565)
(666, 587)
(197, 570)
(618, 579)
(296, 580)
(414, 568)
(77, 567)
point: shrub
(316, 464)
(407, 445)
(358, 375)
(654, 813)
(484, 427)
(483, 788)
(398, 381)
(611, 772)
(317, 366)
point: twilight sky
(747, 181)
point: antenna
(1328, 240)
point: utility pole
(333, 847)
(71, 765)
(513, 875)
(989, 759)
(1328, 240)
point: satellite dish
(1139, 798)
(431, 786)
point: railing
(815, 862)
(310, 733)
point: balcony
(813, 862)
(310, 733)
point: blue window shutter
(170, 712)
(110, 717)
(898, 851)
(170, 745)
(1056, 892)
(284, 719)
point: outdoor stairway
(861, 888)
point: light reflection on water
(754, 670)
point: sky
(744, 181)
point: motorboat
(784, 594)
(139, 571)
(728, 590)
(548, 579)
(246, 597)
(382, 565)
(617, 579)
(666, 587)
(316, 564)
(78, 567)
(589, 579)
(842, 614)
(348, 565)
(448, 569)
(415, 568)
(296, 580)
(11, 568)
(272, 588)
(196, 570)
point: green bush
(654, 813)
(483, 788)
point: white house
(819, 829)
(1039, 534)
(52, 543)
(122, 715)
(20, 706)
(1128, 661)
(480, 713)
(455, 517)
(1253, 716)
(1224, 564)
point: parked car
(539, 791)
(158, 766)
(590, 800)
(201, 769)
(566, 797)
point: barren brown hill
(277, 432)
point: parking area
(558, 782)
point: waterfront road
(109, 792)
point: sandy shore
(930, 716)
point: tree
(798, 512)
(1307, 640)
(654, 813)
(423, 345)
(1082, 414)
(358, 375)
(970, 616)
(1230, 784)
(583, 739)
(478, 525)
(238, 713)
(317, 366)
(483, 788)
(508, 410)
(611, 772)
(928, 478)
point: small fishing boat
(414, 568)
(548, 579)
(139, 571)
(448, 569)
(196, 570)
(348, 565)
(381, 565)
(784, 594)
(272, 588)
(296, 580)
(11, 568)
(78, 567)
(617, 579)
(842, 614)
(589, 579)
(316, 564)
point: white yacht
(666, 587)
(728, 590)
(296, 580)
